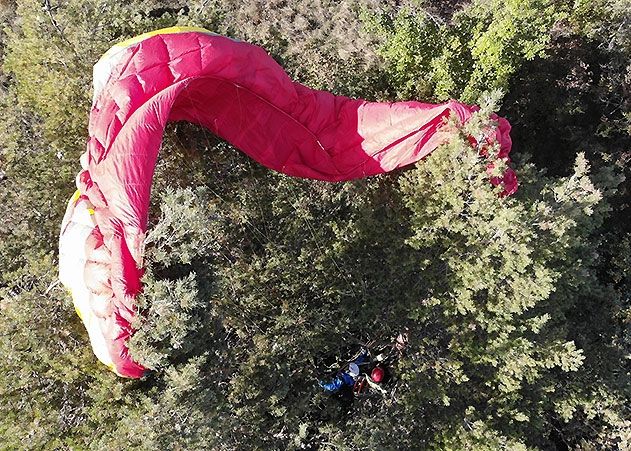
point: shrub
(258, 284)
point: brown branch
(48, 9)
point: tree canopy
(516, 309)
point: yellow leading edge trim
(76, 309)
(76, 196)
(136, 39)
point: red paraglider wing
(240, 93)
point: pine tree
(516, 308)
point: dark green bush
(516, 309)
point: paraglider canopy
(241, 94)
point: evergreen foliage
(516, 308)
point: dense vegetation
(517, 309)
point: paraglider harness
(365, 372)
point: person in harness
(346, 377)
(375, 370)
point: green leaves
(185, 225)
(259, 285)
(481, 49)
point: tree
(257, 283)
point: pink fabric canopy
(237, 91)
